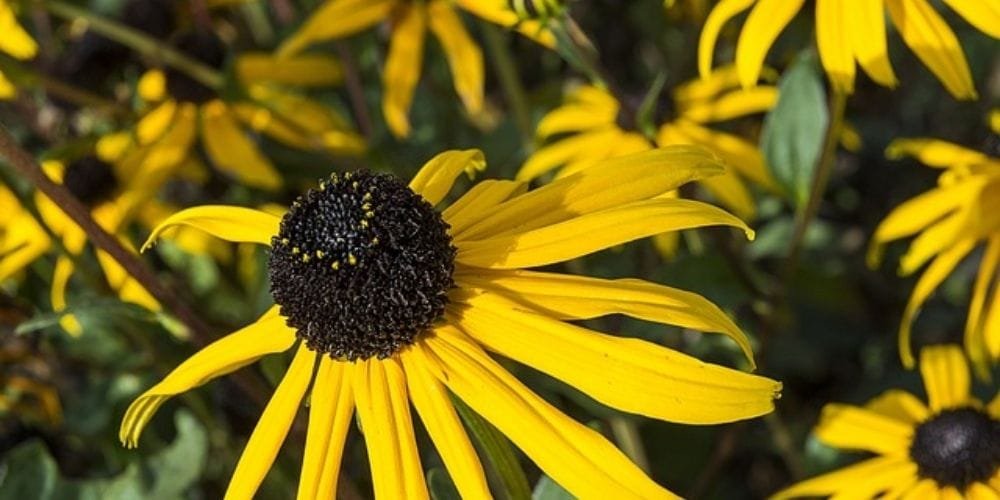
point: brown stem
(355, 90)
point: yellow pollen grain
(285, 241)
(296, 250)
(351, 259)
(364, 224)
(305, 257)
(319, 254)
(335, 265)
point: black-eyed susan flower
(15, 41)
(409, 22)
(950, 221)
(114, 192)
(593, 126)
(182, 111)
(854, 31)
(948, 448)
(388, 302)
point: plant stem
(804, 216)
(355, 89)
(139, 42)
(29, 77)
(499, 454)
(510, 80)
(628, 439)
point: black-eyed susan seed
(957, 447)
(383, 266)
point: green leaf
(28, 472)
(500, 457)
(547, 489)
(440, 485)
(792, 138)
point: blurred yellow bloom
(592, 126)
(849, 31)
(409, 22)
(952, 220)
(15, 42)
(949, 448)
(182, 110)
(388, 302)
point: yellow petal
(15, 41)
(731, 193)
(463, 55)
(237, 224)
(60, 279)
(152, 86)
(853, 428)
(433, 403)
(866, 33)
(575, 117)
(478, 200)
(934, 152)
(935, 240)
(592, 232)
(112, 147)
(7, 89)
(437, 176)
(767, 19)
(384, 413)
(168, 152)
(265, 336)
(575, 456)
(873, 476)
(899, 405)
(598, 142)
(126, 286)
(733, 105)
(402, 67)
(627, 374)
(20, 253)
(925, 489)
(336, 19)
(331, 406)
(232, 152)
(611, 183)
(984, 292)
(946, 377)
(834, 43)
(571, 297)
(980, 491)
(919, 212)
(271, 429)
(305, 70)
(154, 124)
(739, 154)
(298, 121)
(928, 282)
(499, 12)
(722, 13)
(929, 36)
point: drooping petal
(265, 336)
(946, 376)
(575, 456)
(336, 19)
(917, 213)
(899, 405)
(592, 232)
(866, 31)
(271, 429)
(628, 374)
(731, 193)
(571, 297)
(733, 105)
(598, 142)
(862, 480)
(834, 43)
(15, 41)
(236, 224)
(934, 152)
(158, 159)
(936, 240)
(437, 176)
(232, 151)
(576, 117)
(384, 413)
(983, 14)
(433, 403)
(402, 67)
(303, 70)
(739, 154)
(767, 19)
(928, 282)
(929, 36)
(61, 274)
(463, 54)
(853, 428)
(613, 182)
(331, 406)
(984, 292)
(475, 202)
(154, 124)
(723, 12)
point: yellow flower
(15, 42)
(183, 109)
(854, 30)
(392, 302)
(409, 22)
(949, 448)
(951, 219)
(596, 127)
(114, 192)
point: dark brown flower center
(361, 266)
(90, 180)
(957, 447)
(205, 47)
